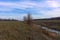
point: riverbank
(50, 33)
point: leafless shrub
(28, 19)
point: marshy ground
(16, 30)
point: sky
(16, 9)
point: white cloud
(29, 4)
(53, 3)
(19, 17)
(8, 6)
(52, 13)
(22, 5)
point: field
(16, 30)
(53, 24)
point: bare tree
(25, 19)
(29, 19)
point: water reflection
(51, 30)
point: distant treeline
(55, 18)
(8, 20)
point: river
(50, 30)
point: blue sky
(38, 8)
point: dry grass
(15, 30)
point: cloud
(21, 5)
(9, 6)
(29, 4)
(53, 3)
(12, 16)
(47, 8)
(51, 13)
(9, 0)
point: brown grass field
(53, 24)
(16, 30)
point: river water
(50, 30)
